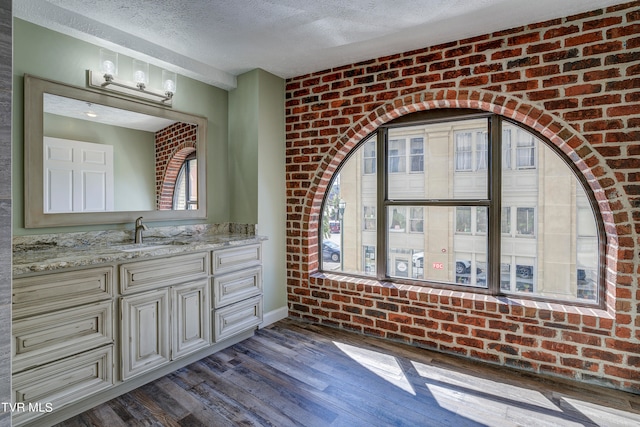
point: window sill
(509, 305)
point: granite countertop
(41, 256)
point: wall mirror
(96, 158)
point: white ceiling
(216, 40)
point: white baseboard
(274, 315)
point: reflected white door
(78, 176)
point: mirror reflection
(99, 158)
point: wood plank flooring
(296, 374)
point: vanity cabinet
(63, 341)
(237, 290)
(84, 336)
(164, 311)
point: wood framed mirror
(96, 158)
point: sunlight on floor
(383, 365)
(603, 415)
(472, 383)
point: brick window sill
(445, 298)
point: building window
(525, 218)
(471, 150)
(398, 220)
(369, 156)
(369, 219)
(397, 157)
(463, 219)
(417, 154)
(439, 221)
(416, 220)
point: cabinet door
(190, 322)
(145, 332)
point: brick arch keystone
(560, 133)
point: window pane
(525, 218)
(416, 219)
(348, 226)
(552, 249)
(438, 161)
(369, 156)
(436, 253)
(482, 150)
(369, 219)
(417, 154)
(463, 219)
(397, 159)
(481, 220)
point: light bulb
(169, 82)
(139, 76)
(108, 67)
(169, 86)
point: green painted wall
(244, 135)
(257, 168)
(245, 146)
(51, 55)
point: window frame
(493, 203)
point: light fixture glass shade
(140, 73)
(108, 62)
(169, 82)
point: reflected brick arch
(173, 145)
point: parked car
(330, 251)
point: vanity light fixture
(107, 79)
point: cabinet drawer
(48, 337)
(66, 381)
(227, 260)
(55, 291)
(236, 318)
(150, 274)
(233, 287)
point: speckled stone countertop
(53, 252)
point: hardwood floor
(295, 374)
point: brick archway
(557, 131)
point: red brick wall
(173, 144)
(576, 80)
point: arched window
(464, 200)
(185, 194)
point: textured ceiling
(215, 40)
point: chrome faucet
(139, 228)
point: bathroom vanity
(91, 322)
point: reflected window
(185, 195)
